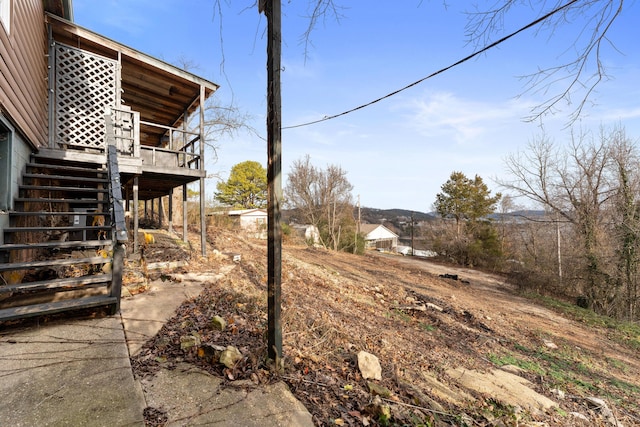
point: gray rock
(218, 323)
(579, 416)
(434, 307)
(369, 366)
(230, 356)
(558, 393)
(378, 390)
(601, 406)
(189, 341)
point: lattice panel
(85, 85)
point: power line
(442, 70)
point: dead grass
(335, 305)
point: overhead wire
(440, 71)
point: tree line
(585, 245)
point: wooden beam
(185, 235)
(171, 210)
(136, 219)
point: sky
(397, 152)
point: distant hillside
(397, 217)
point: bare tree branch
(577, 77)
(321, 9)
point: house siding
(23, 71)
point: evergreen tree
(246, 187)
(465, 199)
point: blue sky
(397, 152)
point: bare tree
(582, 71)
(323, 198)
(594, 186)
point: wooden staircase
(61, 251)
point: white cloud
(445, 116)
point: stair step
(70, 201)
(68, 157)
(58, 188)
(56, 245)
(66, 168)
(52, 263)
(56, 307)
(63, 229)
(66, 284)
(65, 177)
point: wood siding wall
(23, 70)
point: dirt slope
(432, 336)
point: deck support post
(170, 211)
(184, 213)
(136, 214)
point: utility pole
(558, 245)
(412, 235)
(272, 12)
(355, 247)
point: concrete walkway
(74, 373)
(78, 373)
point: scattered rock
(421, 307)
(230, 356)
(558, 393)
(369, 366)
(218, 323)
(434, 307)
(445, 392)
(600, 406)
(189, 341)
(579, 416)
(378, 390)
(503, 386)
(595, 402)
(449, 276)
(550, 344)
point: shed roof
(367, 229)
(241, 212)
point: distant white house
(377, 236)
(251, 220)
(406, 250)
(310, 233)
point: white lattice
(85, 85)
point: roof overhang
(160, 92)
(61, 8)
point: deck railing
(179, 148)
